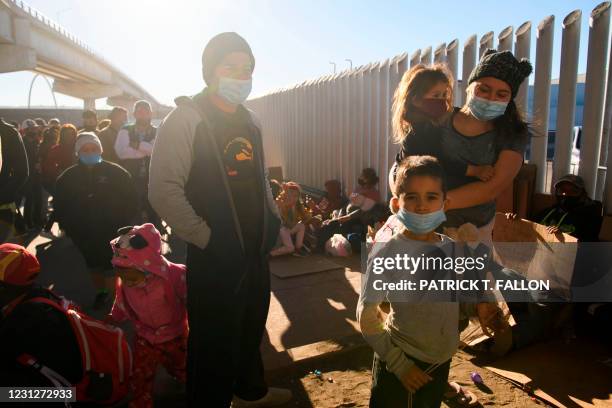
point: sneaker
(274, 398)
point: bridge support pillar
(89, 104)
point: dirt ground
(351, 379)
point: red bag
(107, 358)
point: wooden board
(564, 375)
(291, 266)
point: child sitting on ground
(363, 210)
(414, 346)
(294, 218)
(150, 292)
(333, 200)
(362, 200)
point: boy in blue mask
(92, 200)
(414, 345)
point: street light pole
(350, 61)
(334, 64)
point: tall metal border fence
(333, 126)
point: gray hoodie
(171, 164)
(425, 331)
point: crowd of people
(202, 172)
(91, 180)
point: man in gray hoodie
(208, 181)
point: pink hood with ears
(156, 308)
(149, 258)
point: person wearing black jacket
(93, 199)
(208, 181)
(33, 190)
(13, 175)
(574, 212)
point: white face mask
(234, 91)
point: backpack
(106, 356)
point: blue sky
(159, 43)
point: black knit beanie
(218, 47)
(503, 66)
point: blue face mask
(90, 159)
(234, 91)
(421, 223)
(484, 109)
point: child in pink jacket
(150, 292)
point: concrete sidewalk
(310, 315)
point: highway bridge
(29, 41)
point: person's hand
(553, 229)
(415, 378)
(510, 216)
(484, 173)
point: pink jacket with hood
(157, 306)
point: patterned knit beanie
(503, 66)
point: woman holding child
(478, 151)
(480, 145)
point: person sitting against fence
(421, 103)
(276, 188)
(151, 293)
(294, 216)
(331, 201)
(413, 348)
(32, 329)
(574, 212)
(363, 210)
(365, 197)
(577, 214)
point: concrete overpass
(29, 41)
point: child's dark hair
(368, 177)
(418, 166)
